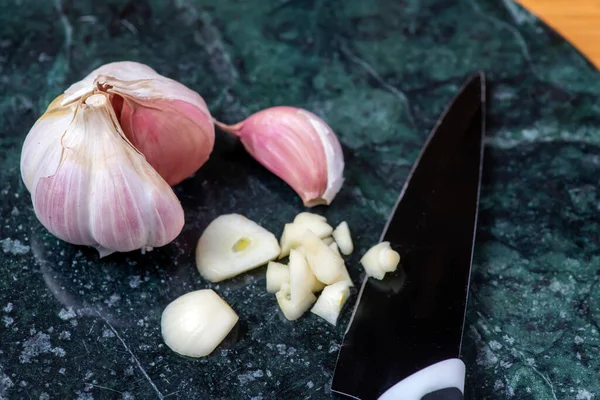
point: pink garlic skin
(168, 122)
(298, 147)
(161, 132)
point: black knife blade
(414, 317)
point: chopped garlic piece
(325, 264)
(302, 279)
(342, 237)
(334, 247)
(331, 301)
(328, 240)
(291, 310)
(277, 274)
(380, 259)
(292, 233)
(345, 276)
(309, 218)
(389, 259)
(196, 323)
(232, 244)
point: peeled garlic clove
(342, 237)
(324, 263)
(196, 323)
(232, 244)
(277, 275)
(292, 311)
(380, 259)
(331, 301)
(90, 186)
(168, 122)
(298, 147)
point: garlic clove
(380, 259)
(168, 122)
(277, 275)
(324, 263)
(232, 244)
(292, 311)
(195, 323)
(331, 301)
(292, 234)
(342, 237)
(101, 192)
(298, 147)
(42, 150)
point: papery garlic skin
(165, 120)
(90, 186)
(298, 147)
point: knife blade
(404, 338)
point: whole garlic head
(100, 161)
(298, 147)
(90, 186)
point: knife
(404, 338)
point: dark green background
(380, 73)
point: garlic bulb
(90, 186)
(99, 162)
(298, 147)
(196, 323)
(168, 122)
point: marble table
(380, 72)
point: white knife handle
(444, 380)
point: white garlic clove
(277, 275)
(100, 192)
(298, 147)
(232, 244)
(165, 120)
(380, 259)
(331, 301)
(293, 310)
(342, 237)
(196, 323)
(325, 264)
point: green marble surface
(380, 72)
